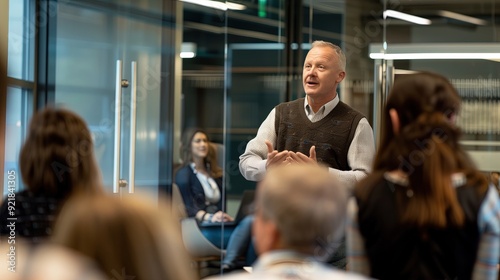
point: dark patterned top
(398, 251)
(32, 219)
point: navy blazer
(192, 192)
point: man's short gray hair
(338, 50)
(306, 203)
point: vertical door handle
(118, 117)
(389, 78)
(378, 99)
(133, 119)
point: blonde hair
(125, 236)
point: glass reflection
(463, 28)
(19, 108)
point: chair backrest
(197, 245)
(219, 150)
(178, 206)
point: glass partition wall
(249, 59)
(110, 68)
(459, 41)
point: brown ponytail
(429, 141)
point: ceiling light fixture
(460, 17)
(490, 51)
(406, 17)
(217, 5)
(410, 56)
(188, 50)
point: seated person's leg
(251, 255)
(217, 235)
(238, 242)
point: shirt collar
(326, 109)
(281, 257)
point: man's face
(321, 73)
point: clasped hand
(288, 157)
(221, 217)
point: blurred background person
(56, 161)
(426, 212)
(199, 180)
(128, 239)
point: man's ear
(340, 77)
(396, 125)
(265, 234)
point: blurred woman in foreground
(126, 238)
(425, 212)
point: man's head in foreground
(299, 207)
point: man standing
(299, 207)
(317, 128)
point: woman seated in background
(425, 212)
(199, 180)
(56, 161)
(127, 239)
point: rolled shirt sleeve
(253, 161)
(359, 157)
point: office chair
(219, 150)
(197, 245)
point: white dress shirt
(285, 264)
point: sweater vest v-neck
(331, 135)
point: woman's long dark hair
(210, 161)
(426, 149)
